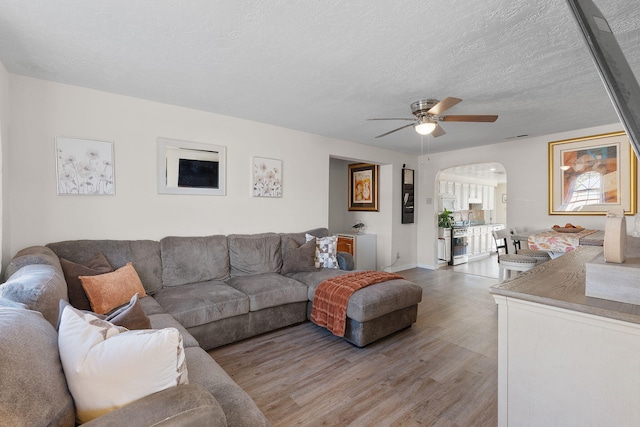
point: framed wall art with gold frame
(363, 187)
(592, 174)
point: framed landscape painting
(591, 175)
(363, 187)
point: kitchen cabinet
(442, 187)
(450, 186)
(481, 243)
(476, 241)
(457, 192)
(488, 197)
(465, 196)
(362, 247)
(466, 193)
(444, 244)
(492, 198)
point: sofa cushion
(107, 367)
(369, 302)
(194, 259)
(299, 257)
(31, 255)
(34, 391)
(254, 253)
(110, 290)
(187, 405)
(269, 290)
(72, 272)
(40, 287)
(151, 306)
(144, 254)
(161, 321)
(199, 303)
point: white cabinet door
(485, 197)
(484, 243)
(443, 187)
(492, 198)
(450, 187)
(465, 196)
(364, 250)
(457, 191)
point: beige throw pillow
(107, 366)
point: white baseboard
(396, 268)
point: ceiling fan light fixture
(425, 127)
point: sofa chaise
(214, 290)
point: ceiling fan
(428, 113)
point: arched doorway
(476, 194)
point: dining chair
(510, 262)
(541, 256)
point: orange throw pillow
(111, 290)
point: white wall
(4, 160)
(42, 110)
(526, 164)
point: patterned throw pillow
(107, 366)
(326, 250)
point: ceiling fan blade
(395, 130)
(443, 105)
(470, 118)
(438, 131)
(404, 118)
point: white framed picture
(267, 177)
(85, 167)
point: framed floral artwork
(267, 177)
(591, 175)
(363, 187)
(85, 167)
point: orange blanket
(331, 297)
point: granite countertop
(561, 282)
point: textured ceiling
(326, 66)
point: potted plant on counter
(445, 219)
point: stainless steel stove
(459, 243)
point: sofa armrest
(185, 405)
(345, 261)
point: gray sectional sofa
(215, 290)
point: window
(587, 190)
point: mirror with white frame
(191, 168)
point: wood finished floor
(440, 372)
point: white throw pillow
(326, 250)
(108, 366)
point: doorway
(477, 196)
